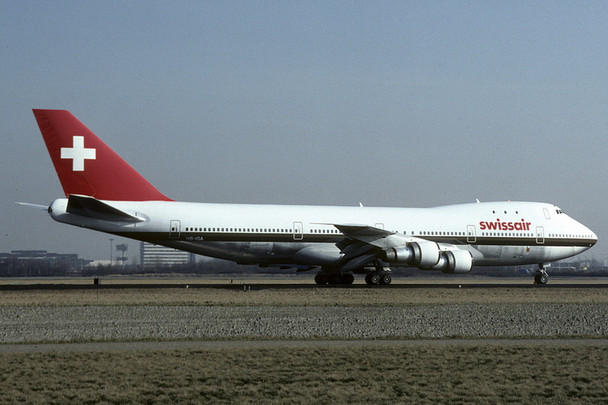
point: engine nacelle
(426, 253)
(455, 261)
(421, 253)
(399, 255)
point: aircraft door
(471, 234)
(174, 229)
(540, 235)
(298, 231)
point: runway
(264, 283)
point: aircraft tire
(385, 279)
(321, 279)
(541, 278)
(348, 279)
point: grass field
(470, 373)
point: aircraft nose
(592, 236)
(587, 235)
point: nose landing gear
(541, 276)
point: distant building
(32, 263)
(156, 255)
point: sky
(404, 104)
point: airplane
(104, 193)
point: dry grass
(300, 296)
(468, 373)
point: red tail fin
(86, 165)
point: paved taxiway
(260, 283)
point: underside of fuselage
(329, 255)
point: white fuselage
(495, 233)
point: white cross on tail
(78, 153)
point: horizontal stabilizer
(93, 208)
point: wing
(364, 245)
(377, 237)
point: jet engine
(421, 253)
(454, 261)
(427, 256)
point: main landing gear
(377, 278)
(380, 276)
(541, 276)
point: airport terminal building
(161, 256)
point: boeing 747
(104, 193)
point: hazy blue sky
(400, 103)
